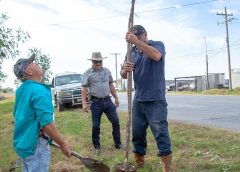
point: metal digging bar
(128, 167)
(91, 164)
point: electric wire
(140, 12)
(211, 51)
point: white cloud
(69, 31)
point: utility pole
(228, 49)
(121, 80)
(115, 54)
(207, 84)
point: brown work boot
(166, 162)
(139, 160)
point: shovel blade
(95, 165)
(91, 164)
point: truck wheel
(60, 107)
(55, 101)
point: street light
(116, 54)
(207, 85)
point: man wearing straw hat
(98, 82)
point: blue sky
(69, 31)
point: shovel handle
(77, 155)
(73, 153)
(91, 164)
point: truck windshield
(68, 79)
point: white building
(235, 78)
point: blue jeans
(98, 107)
(153, 114)
(40, 160)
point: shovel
(91, 164)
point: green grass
(195, 148)
(235, 92)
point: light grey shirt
(98, 82)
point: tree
(9, 41)
(44, 62)
(2, 75)
(17, 82)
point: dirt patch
(130, 168)
(7, 95)
(2, 97)
(68, 166)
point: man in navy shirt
(149, 104)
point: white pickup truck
(66, 90)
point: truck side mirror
(52, 84)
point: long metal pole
(228, 49)
(116, 67)
(229, 60)
(121, 81)
(129, 91)
(116, 54)
(207, 84)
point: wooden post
(129, 90)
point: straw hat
(97, 56)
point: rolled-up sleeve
(85, 82)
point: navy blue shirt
(149, 75)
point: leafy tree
(9, 41)
(44, 62)
(17, 82)
(2, 75)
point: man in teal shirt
(33, 116)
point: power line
(236, 41)
(146, 11)
(177, 6)
(200, 53)
(208, 51)
(224, 48)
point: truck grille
(70, 94)
(76, 93)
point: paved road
(214, 111)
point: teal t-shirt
(33, 110)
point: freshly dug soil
(131, 168)
(68, 166)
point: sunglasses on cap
(96, 61)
